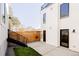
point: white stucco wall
(54, 24)
(3, 42)
(3, 33)
(72, 22)
(51, 25)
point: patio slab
(50, 50)
(10, 52)
(62, 51)
(42, 47)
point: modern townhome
(3, 28)
(61, 24)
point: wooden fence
(25, 37)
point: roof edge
(45, 5)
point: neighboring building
(3, 28)
(61, 24)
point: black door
(44, 35)
(64, 37)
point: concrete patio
(49, 50)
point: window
(64, 10)
(44, 18)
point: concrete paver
(10, 52)
(62, 51)
(42, 47)
(49, 50)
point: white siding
(3, 33)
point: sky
(29, 14)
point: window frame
(65, 15)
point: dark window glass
(64, 10)
(44, 18)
